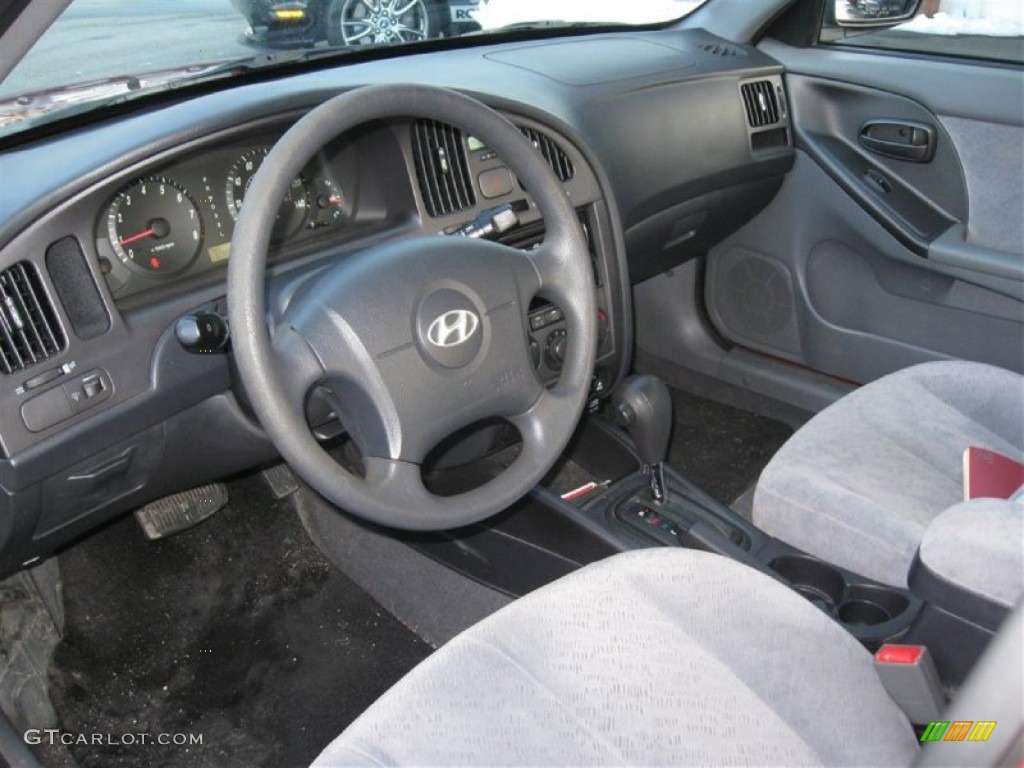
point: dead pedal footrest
(172, 514)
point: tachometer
(155, 227)
(294, 210)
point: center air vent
(716, 48)
(553, 154)
(441, 168)
(29, 330)
(761, 103)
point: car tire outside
(350, 22)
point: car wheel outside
(364, 22)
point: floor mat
(720, 448)
(238, 631)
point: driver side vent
(553, 154)
(761, 103)
(29, 329)
(441, 168)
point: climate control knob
(554, 349)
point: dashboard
(127, 230)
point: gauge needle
(139, 236)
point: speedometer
(294, 210)
(155, 227)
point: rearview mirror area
(874, 13)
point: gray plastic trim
(993, 687)
(737, 20)
(670, 326)
(23, 32)
(952, 249)
(962, 88)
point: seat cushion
(859, 483)
(657, 657)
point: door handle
(900, 139)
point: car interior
(571, 396)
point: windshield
(103, 50)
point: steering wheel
(417, 338)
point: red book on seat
(991, 475)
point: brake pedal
(281, 480)
(174, 514)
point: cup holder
(867, 606)
(855, 604)
(819, 582)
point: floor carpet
(237, 630)
(720, 448)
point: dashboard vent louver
(29, 329)
(716, 48)
(441, 168)
(553, 154)
(761, 103)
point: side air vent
(761, 103)
(441, 168)
(556, 158)
(29, 329)
(716, 48)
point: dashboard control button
(495, 182)
(45, 410)
(92, 386)
(554, 351)
(88, 390)
(202, 332)
(44, 378)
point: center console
(614, 493)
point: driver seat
(653, 657)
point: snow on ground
(947, 24)
(499, 13)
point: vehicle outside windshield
(103, 50)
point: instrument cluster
(179, 222)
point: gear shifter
(643, 406)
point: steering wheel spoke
(301, 368)
(549, 260)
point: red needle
(144, 233)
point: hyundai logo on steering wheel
(453, 328)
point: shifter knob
(643, 406)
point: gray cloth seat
(655, 657)
(860, 482)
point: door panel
(866, 263)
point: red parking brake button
(899, 654)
